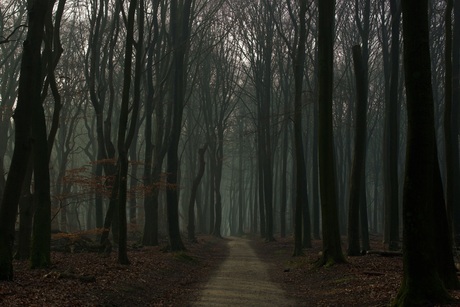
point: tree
(364, 26)
(42, 143)
(125, 132)
(391, 135)
(301, 180)
(96, 78)
(332, 250)
(9, 71)
(158, 65)
(30, 85)
(216, 84)
(448, 110)
(180, 30)
(264, 107)
(195, 185)
(452, 127)
(422, 199)
(359, 159)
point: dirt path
(242, 280)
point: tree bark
(421, 282)
(41, 232)
(30, 83)
(42, 144)
(180, 14)
(26, 213)
(301, 203)
(219, 158)
(448, 111)
(195, 185)
(332, 250)
(359, 159)
(125, 133)
(454, 191)
(391, 136)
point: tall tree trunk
(448, 111)
(422, 199)
(195, 186)
(125, 133)
(30, 84)
(41, 232)
(212, 194)
(41, 237)
(359, 159)
(105, 149)
(445, 266)
(148, 150)
(267, 135)
(180, 14)
(391, 136)
(240, 179)
(261, 196)
(454, 194)
(133, 182)
(301, 177)
(315, 176)
(332, 249)
(255, 191)
(284, 195)
(217, 182)
(156, 151)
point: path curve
(242, 280)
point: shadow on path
(242, 280)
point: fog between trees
(133, 92)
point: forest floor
(158, 278)
(369, 280)
(154, 277)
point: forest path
(242, 280)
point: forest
(325, 125)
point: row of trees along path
(171, 54)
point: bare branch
(7, 39)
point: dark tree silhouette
(180, 16)
(195, 185)
(391, 135)
(423, 200)
(30, 85)
(301, 178)
(332, 249)
(359, 159)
